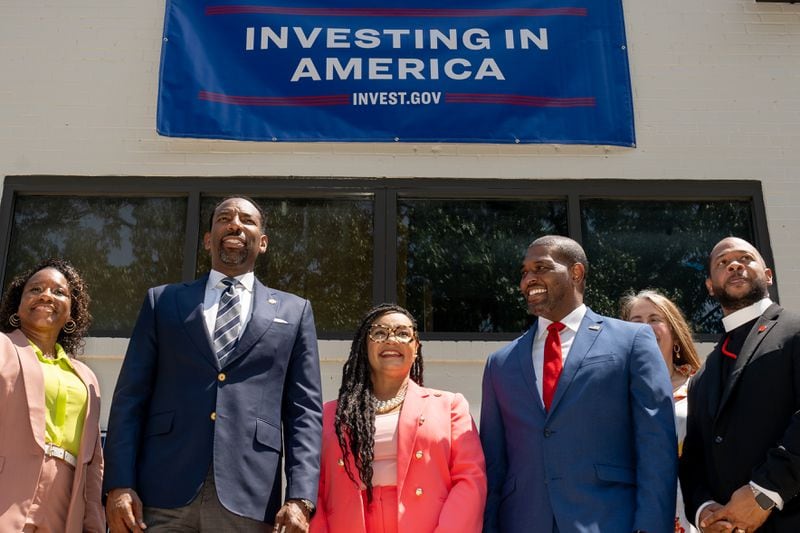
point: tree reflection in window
(635, 245)
(459, 260)
(121, 247)
(320, 249)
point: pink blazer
(441, 474)
(22, 430)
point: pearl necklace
(384, 406)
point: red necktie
(552, 363)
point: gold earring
(70, 327)
(14, 320)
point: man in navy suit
(577, 420)
(215, 388)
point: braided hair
(355, 412)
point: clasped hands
(740, 515)
(124, 513)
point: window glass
(458, 260)
(454, 261)
(121, 247)
(635, 245)
(320, 249)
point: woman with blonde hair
(675, 341)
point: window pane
(121, 247)
(635, 245)
(320, 249)
(458, 260)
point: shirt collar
(60, 353)
(745, 315)
(247, 279)
(572, 321)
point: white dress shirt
(214, 290)
(571, 322)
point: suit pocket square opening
(279, 321)
(616, 474)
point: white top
(679, 397)
(572, 322)
(384, 462)
(214, 290)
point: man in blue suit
(602, 456)
(220, 380)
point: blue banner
(536, 71)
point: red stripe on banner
(289, 101)
(391, 12)
(518, 100)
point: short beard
(758, 291)
(234, 258)
(539, 310)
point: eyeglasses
(381, 333)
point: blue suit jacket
(604, 458)
(265, 401)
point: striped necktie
(229, 321)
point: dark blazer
(604, 458)
(749, 429)
(175, 410)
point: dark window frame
(385, 193)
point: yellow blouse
(65, 397)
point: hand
(709, 524)
(742, 510)
(293, 517)
(124, 511)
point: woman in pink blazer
(397, 456)
(45, 487)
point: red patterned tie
(552, 363)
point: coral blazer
(441, 474)
(22, 431)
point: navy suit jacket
(604, 458)
(175, 410)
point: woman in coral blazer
(44, 487)
(397, 456)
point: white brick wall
(716, 89)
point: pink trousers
(380, 516)
(48, 512)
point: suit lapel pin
(762, 329)
(273, 301)
(594, 328)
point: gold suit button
(213, 416)
(418, 455)
(340, 462)
(418, 492)
(221, 377)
